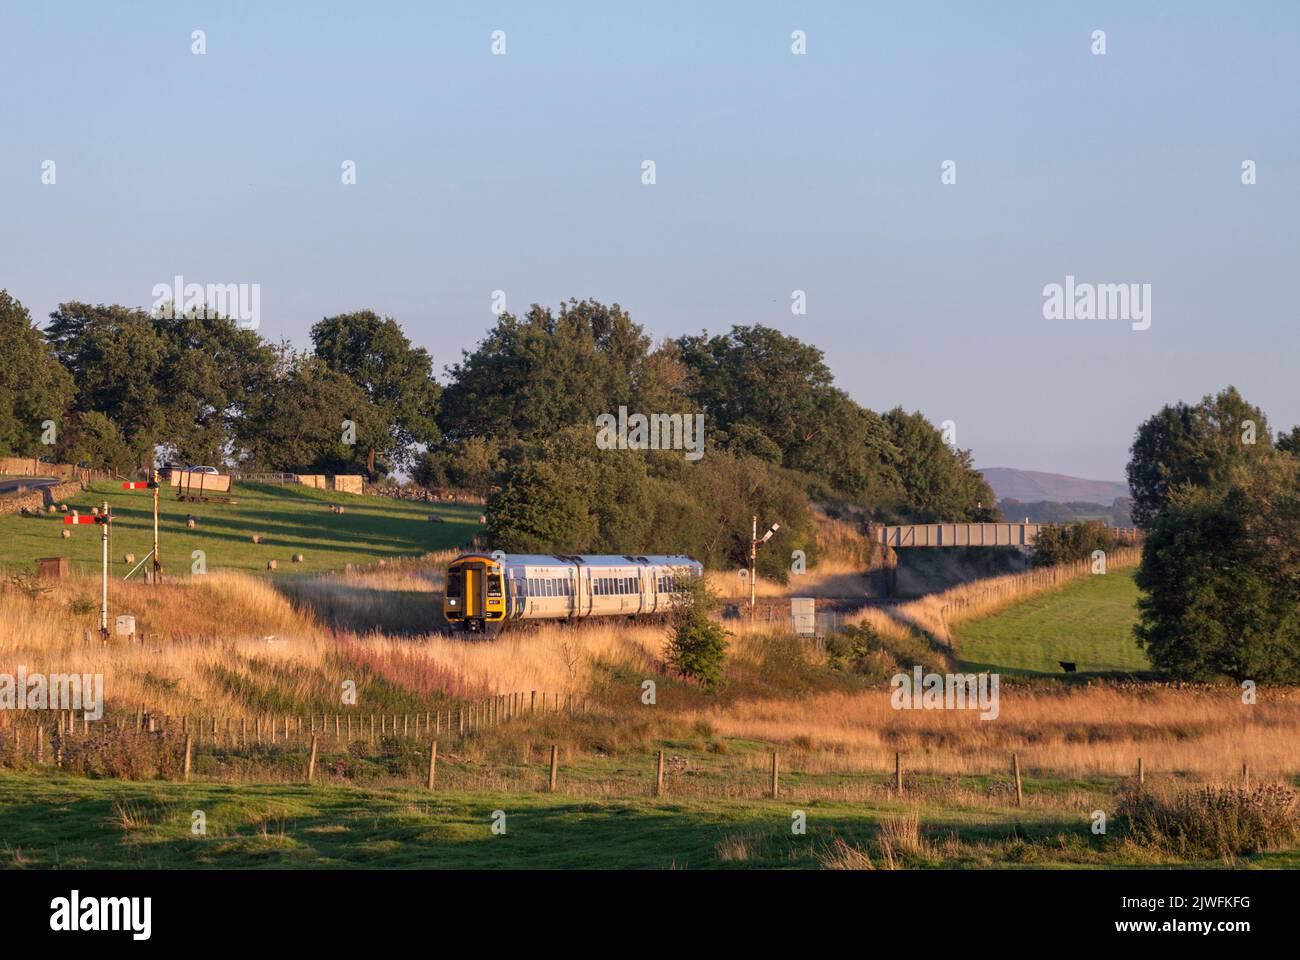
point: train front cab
(475, 598)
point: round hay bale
(270, 564)
(298, 558)
(65, 533)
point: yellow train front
(485, 591)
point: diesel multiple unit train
(485, 591)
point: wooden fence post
(898, 773)
(659, 775)
(189, 746)
(1015, 772)
(433, 762)
(1142, 773)
(555, 766)
(1245, 775)
(776, 784)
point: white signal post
(754, 543)
(103, 582)
(104, 519)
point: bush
(1213, 821)
(1071, 542)
(852, 647)
(697, 646)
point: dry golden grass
(235, 645)
(1075, 731)
(211, 643)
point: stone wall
(30, 467)
(38, 500)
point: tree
(117, 357)
(534, 375)
(1220, 576)
(697, 645)
(34, 387)
(304, 419)
(397, 378)
(541, 508)
(472, 465)
(938, 483)
(94, 440)
(211, 371)
(1204, 445)
(1289, 442)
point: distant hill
(1031, 486)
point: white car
(212, 470)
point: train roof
(587, 559)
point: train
(486, 591)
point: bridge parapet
(974, 534)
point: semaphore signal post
(104, 519)
(151, 484)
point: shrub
(697, 646)
(1071, 542)
(1213, 821)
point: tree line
(515, 422)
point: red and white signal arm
(86, 519)
(139, 485)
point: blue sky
(775, 172)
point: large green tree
(169, 382)
(536, 374)
(1220, 576)
(938, 483)
(377, 356)
(309, 419)
(35, 390)
(1206, 445)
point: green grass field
(51, 820)
(293, 519)
(1089, 621)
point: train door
(474, 592)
